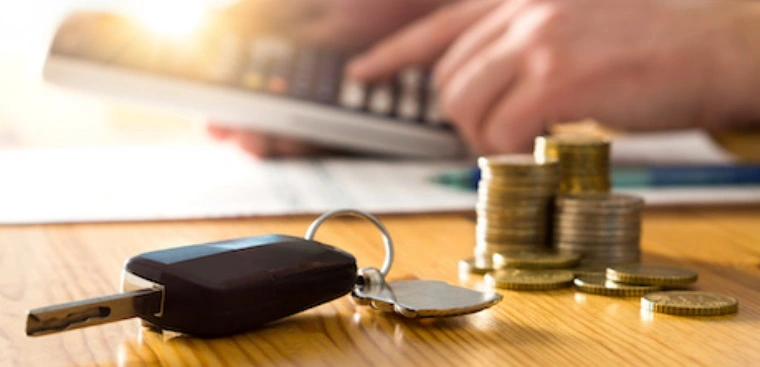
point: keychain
(231, 286)
(409, 298)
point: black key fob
(226, 287)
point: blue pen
(664, 176)
(629, 177)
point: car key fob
(226, 287)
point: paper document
(214, 181)
(692, 146)
(118, 184)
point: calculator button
(304, 72)
(278, 80)
(411, 78)
(433, 114)
(409, 106)
(329, 75)
(381, 99)
(352, 94)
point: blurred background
(34, 114)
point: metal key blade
(93, 311)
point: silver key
(94, 311)
(419, 298)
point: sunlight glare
(173, 17)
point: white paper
(118, 184)
(161, 183)
(692, 146)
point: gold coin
(605, 200)
(473, 267)
(507, 161)
(530, 280)
(517, 223)
(690, 303)
(591, 224)
(515, 220)
(548, 178)
(652, 274)
(540, 203)
(598, 284)
(542, 143)
(596, 212)
(534, 260)
(589, 270)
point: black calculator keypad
(262, 64)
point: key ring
(358, 213)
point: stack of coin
(584, 161)
(603, 228)
(514, 196)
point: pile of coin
(514, 197)
(584, 161)
(603, 228)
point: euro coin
(534, 260)
(607, 201)
(690, 303)
(472, 267)
(584, 161)
(530, 280)
(598, 284)
(515, 195)
(652, 274)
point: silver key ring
(357, 213)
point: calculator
(262, 82)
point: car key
(226, 287)
(214, 289)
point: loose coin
(599, 284)
(530, 280)
(534, 260)
(651, 274)
(471, 266)
(589, 270)
(690, 303)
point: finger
(516, 119)
(473, 40)
(478, 86)
(218, 132)
(253, 143)
(286, 147)
(420, 43)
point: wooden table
(45, 264)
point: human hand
(633, 64)
(347, 24)
(265, 145)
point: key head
(419, 298)
(226, 287)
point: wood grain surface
(45, 264)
